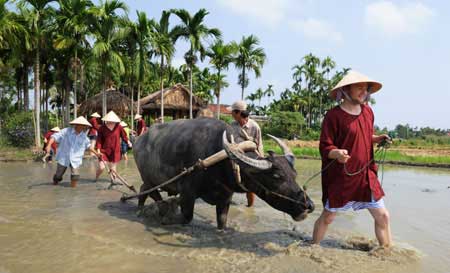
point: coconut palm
(221, 55)
(72, 17)
(163, 40)
(39, 9)
(141, 33)
(106, 29)
(194, 30)
(249, 58)
(11, 30)
(269, 92)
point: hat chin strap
(347, 96)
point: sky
(403, 44)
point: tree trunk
(37, 102)
(190, 95)
(67, 86)
(132, 101)
(218, 94)
(243, 82)
(75, 86)
(26, 96)
(46, 103)
(162, 88)
(82, 81)
(105, 79)
(18, 89)
(139, 95)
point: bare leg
(382, 226)
(250, 199)
(321, 225)
(101, 167)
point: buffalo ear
(271, 153)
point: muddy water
(45, 228)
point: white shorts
(355, 205)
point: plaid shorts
(356, 205)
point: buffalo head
(272, 178)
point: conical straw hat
(96, 115)
(123, 124)
(353, 77)
(137, 116)
(80, 121)
(55, 129)
(111, 117)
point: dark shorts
(93, 137)
(124, 147)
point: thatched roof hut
(115, 101)
(176, 103)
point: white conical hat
(111, 117)
(81, 121)
(137, 116)
(96, 115)
(355, 77)
(55, 129)
(123, 124)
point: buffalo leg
(187, 203)
(222, 215)
(154, 195)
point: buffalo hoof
(177, 219)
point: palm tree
(221, 55)
(163, 41)
(269, 92)
(259, 93)
(11, 29)
(141, 30)
(218, 81)
(105, 23)
(195, 31)
(308, 73)
(73, 19)
(15, 39)
(249, 58)
(38, 12)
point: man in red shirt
(109, 142)
(141, 126)
(54, 146)
(348, 136)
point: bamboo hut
(115, 101)
(176, 103)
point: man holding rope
(348, 137)
(72, 142)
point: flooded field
(46, 228)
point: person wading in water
(72, 142)
(348, 137)
(242, 122)
(108, 143)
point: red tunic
(341, 130)
(109, 142)
(141, 127)
(47, 137)
(95, 126)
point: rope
(382, 146)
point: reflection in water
(45, 228)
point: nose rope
(280, 195)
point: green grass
(12, 153)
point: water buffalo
(166, 149)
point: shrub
(19, 129)
(227, 119)
(284, 124)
